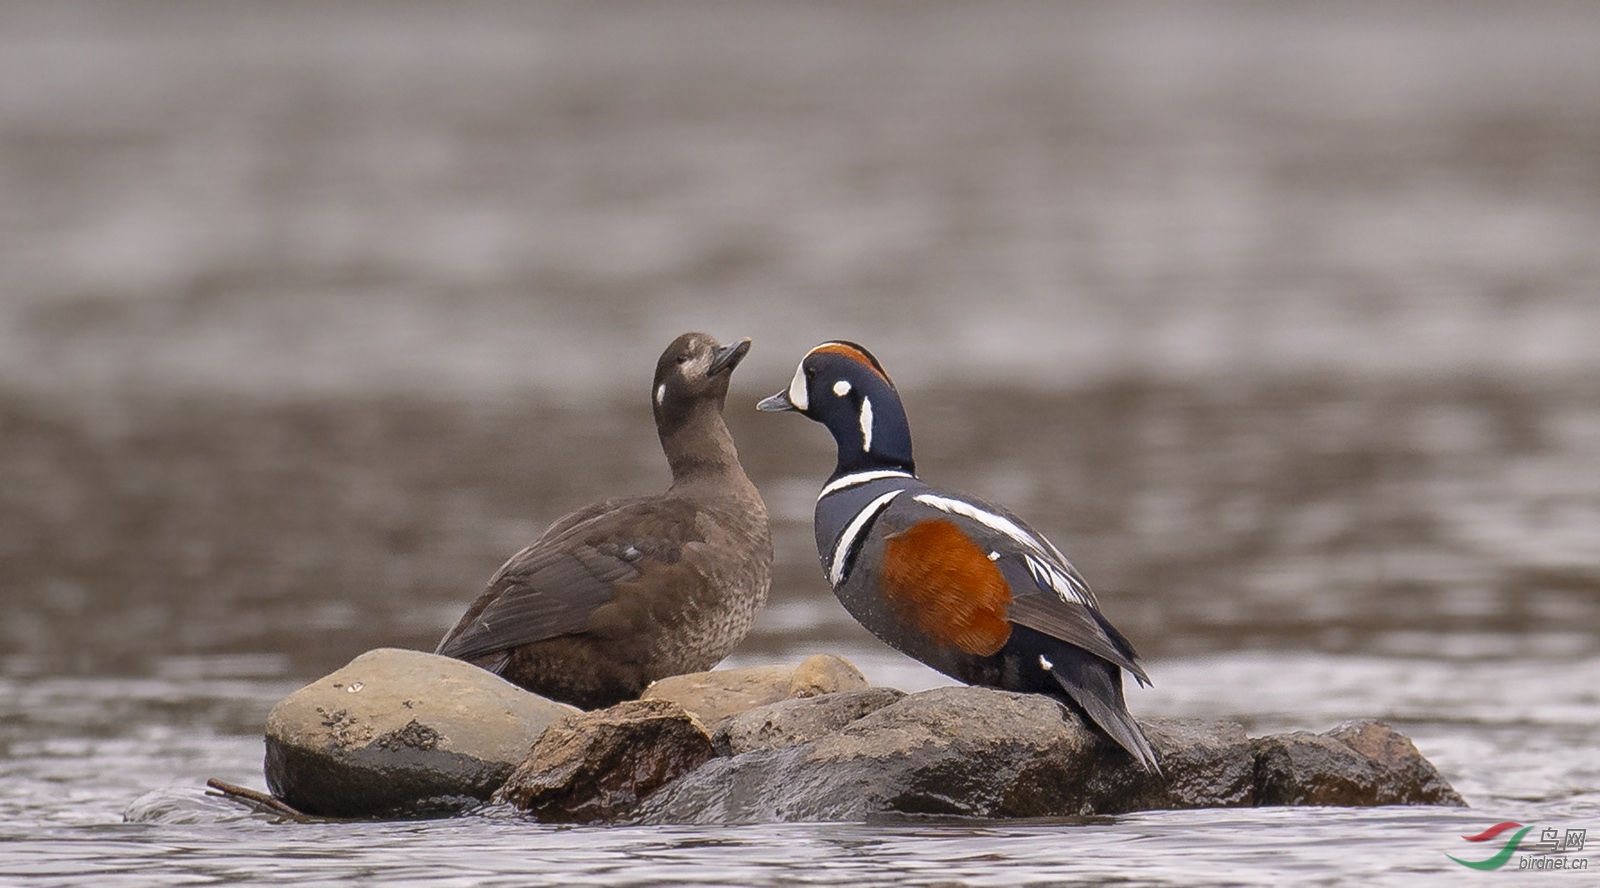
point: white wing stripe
(841, 550)
(1049, 576)
(1044, 572)
(988, 519)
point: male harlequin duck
(960, 584)
(626, 591)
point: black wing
(1043, 610)
(1049, 595)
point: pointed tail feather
(1096, 687)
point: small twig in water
(244, 793)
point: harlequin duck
(626, 591)
(958, 583)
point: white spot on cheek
(797, 389)
(842, 387)
(866, 424)
(661, 393)
(696, 367)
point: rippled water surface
(1280, 318)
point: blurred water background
(1279, 318)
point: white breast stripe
(841, 551)
(856, 478)
(866, 425)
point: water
(1279, 318)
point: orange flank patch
(945, 585)
(855, 354)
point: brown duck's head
(693, 371)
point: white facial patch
(661, 394)
(696, 367)
(797, 389)
(842, 387)
(866, 425)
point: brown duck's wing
(593, 510)
(555, 586)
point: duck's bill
(776, 403)
(728, 357)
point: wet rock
(713, 696)
(400, 732)
(1357, 764)
(967, 751)
(596, 766)
(986, 753)
(1204, 764)
(792, 722)
(403, 733)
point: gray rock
(715, 695)
(403, 733)
(1204, 764)
(792, 722)
(400, 732)
(968, 751)
(595, 766)
(1357, 764)
(986, 753)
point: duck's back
(621, 594)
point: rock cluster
(776, 743)
(400, 733)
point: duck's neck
(701, 454)
(878, 440)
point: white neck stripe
(857, 478)
(841, 550)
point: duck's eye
(683, 358)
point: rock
(713, 696)
(985, 753)
(1357, 764)
(400, 732)
(1204, 764)
(404, 733)
(596, 766)
(792, 722)
(961, 750)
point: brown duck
(626, 591)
